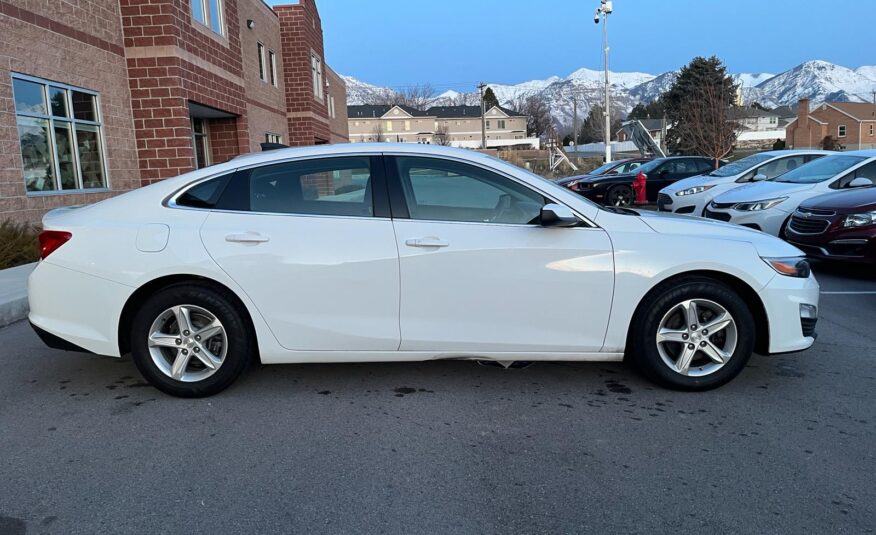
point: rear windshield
(821, 169)
(742, 165)
(603, 168)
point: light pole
(602, 12)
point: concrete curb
(13, 293)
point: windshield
(820, 170)
(603, 168)
(646, 168)
(742, 165)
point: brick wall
(301, 34)
(339, 127)
(78, 46)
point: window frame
(841, 130)
(206, 9)
(399, 202)
(263, 67)
(277, 138)
(72, 121)
(316, 69)
(272, 67)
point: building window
(841, 131)
(60, 134)
(272, 67)
(871, 129)
(273, 138)
(389, 126)
(261, 51)
(488, 125)
(331, 102)
(316, 67)
(501, 124)
(407, 125)
(201, 142)
(209, 13)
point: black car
(617, 167)
(617, 190)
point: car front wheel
(619, 196)
(191, 340)
(696, 334)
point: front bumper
(788, 328)
(769, 221)
(680, 205)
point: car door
(478, 272)
(312, 244)
(660, 178)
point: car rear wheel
(191, 340)
(619, 196)
(695, 334)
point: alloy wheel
(696, 337)
(187, 343)
(620, 197)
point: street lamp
(602, 12)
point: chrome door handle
(247, 237)
(426, 242)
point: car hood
(683, 225)
(759, 191)
(566, 180)
(848, 201)
(699, 180)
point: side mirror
(860, 182)
(758, 177)
(557, 215)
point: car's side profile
(402, 252)
(837, 226)
(618, 167)
(692, 195)
(617, 189)
(768, 205)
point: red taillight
(50, 240)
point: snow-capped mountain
(818, 80)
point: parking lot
(88, 447)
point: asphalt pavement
(448, 447)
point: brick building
(114, 94)
(851, 125)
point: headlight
(758, 205)
(694, 190)
(860, 220)
(793, 266)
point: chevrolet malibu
(405, 252)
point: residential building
(752, 119)
(852, 125)
(111, 95)
(655, 127)
(459, 126)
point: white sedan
(767, 206)
(406, 252)
(692, 195)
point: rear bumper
(56, 342)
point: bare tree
(377, 133)
(441, 136)
(710, 126)
(415, 96)
(537, 111)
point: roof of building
(749, 111)
(371, 111)
(650, 124)
(785, 111)
(862, 111)
(446, 112)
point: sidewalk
(13, 293)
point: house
(459, 126)
(753, 119)
(851, 125)
(110, 95)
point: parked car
(618, 167)
(617, 190)
(837, 226)
(406, 252)
(768, 205)
(692, 195)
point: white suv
(692, 195)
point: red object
(639, 188)
(50, 240)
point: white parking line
(862, 292)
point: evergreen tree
(490, 99)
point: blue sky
(455, 43)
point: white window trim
(207, 22)
(841, 128)
(206, 135)
(272, 67)
(263, 66)
(277, 138)
(316, 71)
(55, 165)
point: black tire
(622, 194)
(241, 342)
(642, 351)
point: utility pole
(605, 8)
(481, 87)
(574, 123)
